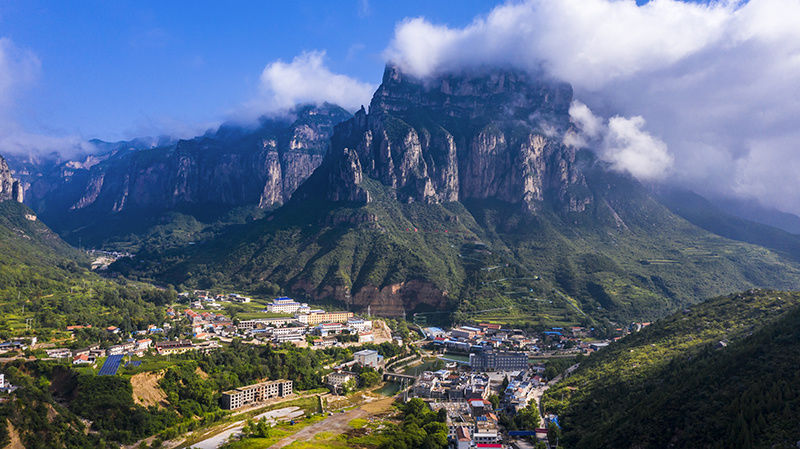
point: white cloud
(716, 81)
(18, 68)
(631, 149)
(306, 79)
(588, 123)
(623, 142)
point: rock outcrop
(230, 167)
(493, 135)
(10, 188)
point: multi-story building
(337, 379)
(498, 361)
(368, 357)
(284, 305)
(251, 394)
(283, 334)
(264, 322)
(318, 317)
(359, 325)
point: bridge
(398, 377)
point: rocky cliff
(486, 135)
(230, 167)
(10, 188)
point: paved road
(338, 423)
(283, 414)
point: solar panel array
(111, 365)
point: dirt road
(338, 423)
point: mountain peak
(483, 134)
(472, 94)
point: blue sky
(119, 69)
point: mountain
(753, 210)
(494, 135)
(133, 186)
(458, 194)
(10, 188)
(716, 375)
(708, 216)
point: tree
(369, 378)
(495, 400)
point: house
(5, 386)
(463, 438)
(143, 345)
(174, 347)
(83, 359)
(112, 329)
(121, 349)
(59, 353)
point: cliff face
(230, 167)
(491, 135)
(10, 188)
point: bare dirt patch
(146, 391)
(381, 332)
(16, 441)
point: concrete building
(498, 361)
(359, 325)
(318, 317)
(284, 305)
(336, 380)
(174, 347)
(368, 357)
(283, 334)
(264, 322)
(251, 394)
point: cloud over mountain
(711, 88)
(306, 79)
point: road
(283, 414)
(337, 424)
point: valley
(555, 224)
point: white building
(359, 325)
(283, 305)
(368, 357)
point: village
(480, 376)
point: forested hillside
(45, 284)
(720, 374)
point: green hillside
(626, 258)
(720, 374)
(45, 285)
